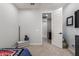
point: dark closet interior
(77, 45)
(77, 36)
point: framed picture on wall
(69, 21)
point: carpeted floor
(48, 50)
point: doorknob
(60, 33)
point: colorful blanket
(14, 52)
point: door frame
(47, 11)
(52, 17)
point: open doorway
(46, 27)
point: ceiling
(52, 6)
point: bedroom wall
(30, 24)
(70, 31)
(8, 25)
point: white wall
(8, 25)
(31, 25)
(70, 31)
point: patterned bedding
(15, 52)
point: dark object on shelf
(77, 19)
(49, 35)
(69, 21)
(26, 38)
(44, 17)
(76, 45)
(32, 3)
(65, 45)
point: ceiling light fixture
(32, 3)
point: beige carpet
(48, 50)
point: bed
(15, 52)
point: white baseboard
(35, 43)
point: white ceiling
(52, 6)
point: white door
(57, 22)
